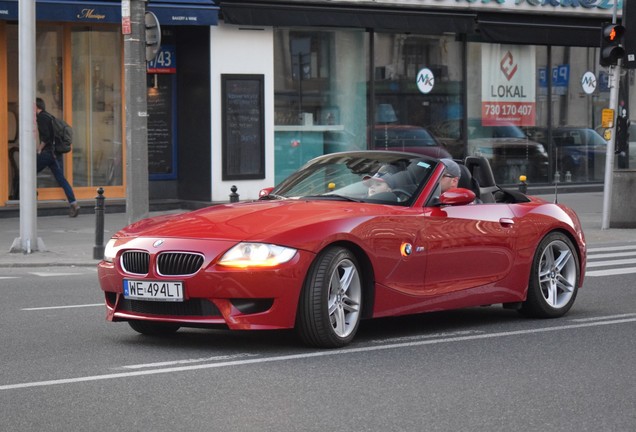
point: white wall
(241, 50)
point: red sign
(507, 113)
(126, 27)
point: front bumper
(239, 299)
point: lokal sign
(508, 85)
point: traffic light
(622, 134)
(611, 49)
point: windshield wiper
(272, 197)
(334, 196)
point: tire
(329, 310)
(150, 328)
(554, 278)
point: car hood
(258, 220)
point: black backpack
(63, 135)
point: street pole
(614, 79)
(136, 111)
(28, 240)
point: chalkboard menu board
(243, 127)
(161, 161)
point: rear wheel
(153, 328)
(329, 310)
(554, 278)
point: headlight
(110, 251)
(245, 255)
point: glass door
(97, 119)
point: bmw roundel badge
(158, 243)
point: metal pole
(614, 77)
(136, 114)
(28, 240)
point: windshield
(384, 177)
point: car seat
(467, 181)
(480, 169)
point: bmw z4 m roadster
(349, 236)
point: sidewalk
(70, 242)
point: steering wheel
(401, 194)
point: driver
(451, 175)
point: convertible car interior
(477, 176)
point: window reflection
(97, 124)
(320, 85)
(407, 117)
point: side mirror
(457, 196)
(264, 192)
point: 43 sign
(165, 62)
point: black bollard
(98, 249)
(234, 197)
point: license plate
(153, 290)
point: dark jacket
(45, 129)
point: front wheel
(554, 278)
(150, 328)
(329, 310)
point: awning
(175, 12)
(539, 29)
(406, 20)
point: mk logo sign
(425, 80)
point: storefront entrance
(78, 75)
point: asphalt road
(64, 368)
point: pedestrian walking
(46, 156)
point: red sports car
(348, 236)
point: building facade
(80, 76)
(245, 92)
(518, 82)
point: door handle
(506, 222)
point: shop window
(507, 110)
(561, 137)
(97, 122)
(320, 86)
(418, 85)
(578, 150)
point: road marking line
(323, 353)
(612, 262)
(187, 361)
(611, 255)
(601, 318)
(42, 274)
(62, 307)
(611, 248)
(611, 272)
(9, 277)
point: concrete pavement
(70, 242)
